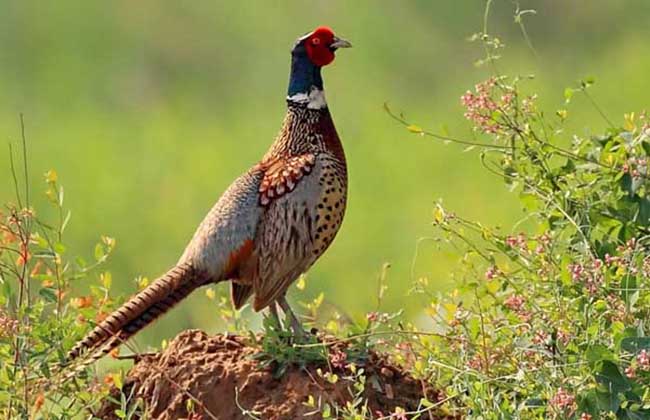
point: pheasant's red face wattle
(319, 46)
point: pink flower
(643, 359)
(480, 106)
(507, 98)
(563, 400)
(576, 271)
(541, 337)
(630, 372)
(563, 337)
(338, 359)
(372, 316)
(585, 416)
(514, 302)
(475, 362)
(492, 273)
(8, 325)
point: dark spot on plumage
(329, 208)
(320, 206)
(328, 217)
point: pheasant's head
(310, 53)
(320, 45)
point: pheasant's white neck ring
(315, 99)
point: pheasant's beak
(340, 43)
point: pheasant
(269, 226)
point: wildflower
(585, 416)
(525, 316)
(617, 308)
(540, 337)
(514, 302)
(38, 402)
(480, 106)
(643, 360)
(528, 104)
(372, 316)
(576, 271)
(82, 302)
(630, 372)
(511, 241)
(508, 98)
(475, 362)
(545, 239)
(563, 337)
(8, 325)
(609, 260)
(338, 359)
(563, 400)
(492, 273)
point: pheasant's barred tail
(138, 312)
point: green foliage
(39, 319)
(549, 319)
(279, 350)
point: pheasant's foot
(273, 316)
(299, 333)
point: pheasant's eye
(315, 41)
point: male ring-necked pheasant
(270, 225)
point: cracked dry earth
(211, 369)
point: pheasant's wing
(225, 238)
(284, 244)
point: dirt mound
(222, 380)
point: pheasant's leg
(295, 323)
(273, 314)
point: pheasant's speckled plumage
(270, 225)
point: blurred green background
(149, 109)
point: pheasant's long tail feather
(138, 312)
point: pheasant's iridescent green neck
(305, 82)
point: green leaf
(627, 184)
(608, 401)
(609, 376)
(643, 217)
(48, 294)
(588, 403)
(99, 252)
(646, 147)
(635, 344)
(598, 353)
